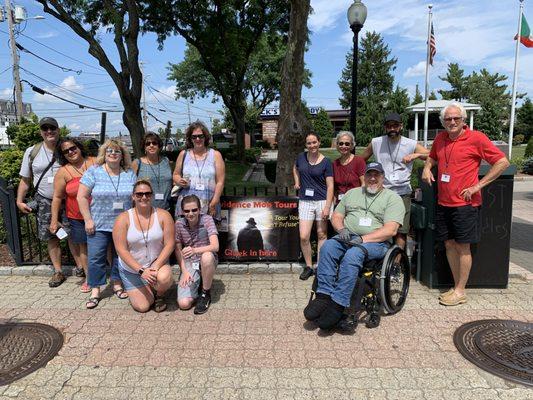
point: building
(8, 117)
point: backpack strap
(33, 154)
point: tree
(323, 127)
(418, 97)
(375, 81)
(122, 19)
(398, 102)
(432, 95)
(293, 124)
(458, 83)
(225, 35)
(524, 120)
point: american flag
(432, 45)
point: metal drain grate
(501, 347)
(26, 347)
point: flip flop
(85, 288)
(120, 293)
(92, 303)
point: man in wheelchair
(366, 220)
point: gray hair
(459, 106)
(346, 133)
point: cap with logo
(374, 166)
(48, 121)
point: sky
(475, 34)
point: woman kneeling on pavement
(144, 240)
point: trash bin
(490, 257)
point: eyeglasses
(113, 151)
(198, 137)
(347, 144)
(72, 149)
(140, 195)
(454, 119)
(148, 143)
(192, 210)
(46, 128)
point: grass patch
(235, 171)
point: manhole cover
(503, 348)
(26, 347)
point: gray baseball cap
(48, 121)
(392, 117)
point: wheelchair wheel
(394, 280)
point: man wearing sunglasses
(196, 253)
(396, 154)
(38, 169)
(457, 152)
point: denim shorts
(131, 281)
(77, 231)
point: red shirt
(460, 159)
(347, 176)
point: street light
(356, 19)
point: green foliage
(432, 96)
(322, 126)
(518, 139)
(216, 126)
(529, 148)
(398, 101)
(518, 162)
(458, 82)
(251, 155)
(263, 144)
(10, 161)
(524, 119)
(418, 97)
(24, 135)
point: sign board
(269, 112)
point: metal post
(15, 59)
(102, 128)
(353, 108)
(515, 78)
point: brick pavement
(253, 344)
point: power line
(177, 100)
(64, 69)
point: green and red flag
(526, 37)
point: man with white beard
(366, 220)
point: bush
(10, 161)
(252, 155)
(518, 139)
(325, 142)
(262, 144)
(529, 148)
(518, 162)
(270, 170)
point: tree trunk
(293, 124)
(133, 121)
(238, 114)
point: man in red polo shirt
(458, 152)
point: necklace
(145, 236)
(346, 162)
(83, 168)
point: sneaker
(202, 303)
(307, 272)
(316, 306)
(57, 279)
(330, 316)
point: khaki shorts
(407, 218)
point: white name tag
(340, 196)
(196, 266)
(61, 234)
(118, 205)
(159, 196)
(200, 186)
(445, 178)
(50, 179)
(309, 192)
(365, 221)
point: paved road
(253, 344)
(522, 230)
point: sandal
(79, 272)
(159, 304)
(85, 288)
(120, 293)
(92, 303)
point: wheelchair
(380, 289)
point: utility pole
(15, 58)
(102, 128)
(145, 112)
(188, 110)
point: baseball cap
(392, 117)
(374, 166)
(48, 121)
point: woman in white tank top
(144, 240)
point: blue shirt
(106, 191)
(313, 177)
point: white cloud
(74, 126)
(416, 70)
(47, 35)
(65, 89)
(6, 93)
(327, 13)
(116, 122)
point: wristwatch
(141, 271)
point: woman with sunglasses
(105, 192)
(200, 171)
(155, 169)
(74, 162)
(348, 169)
(313, 177)
(144, 240)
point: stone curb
(248, 173)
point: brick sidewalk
(253, 344)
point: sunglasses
(148, 143)
(198, 137)
(113, 151)
(72, 149)
(140, 195)
(347, 144)
(46, 128)
(192, 210)
(454, 119)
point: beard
(393, 134)
(372, 189)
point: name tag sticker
(50, 179)
(196, 266)
(340, 196)
(200, 186)
(159, 196)
(445, 178)
(365, 221)
(118, 205)
(61, 234)
(309, 192)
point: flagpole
(515, 78)
(426, 111)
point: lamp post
(356, 19)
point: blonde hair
(125, 161)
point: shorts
(131, 280)
(77, 232)
(460, 223)
(192, 289)
(311, 210)
(44, 217)
(407, 218)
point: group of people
(117, 212)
